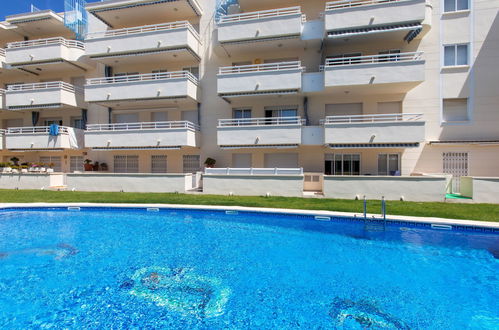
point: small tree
(210, 162)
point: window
(455, 5)
(344, 109)
(50, 121)
(56, 161)
(158, 164)
(77, 122)
(76, 163)
(241, 113)
(281, 111)
(241, 160)
(455, 110)
(159, 116)
(391, 55)
(126, 164)
(388, 164)
(280, 160)
(342, 164)
(389, 107)
(456, 55)
(192, 69)
(191, 163)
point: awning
(281, 92)
(136, 148)
(261, 146)
(465, 142)
(376, 29)
(40, 149)
(372, 145)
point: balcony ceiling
(126, 13)
(163, 104)
(56, 67)
(177, 55)
(37, 25)
(276, 44)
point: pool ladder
(373, 224)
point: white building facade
(362, 88)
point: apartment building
(361, 87)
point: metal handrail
(295, 65)
(44, 85)
(382, 118)
(45, 42)
(34, 129)
(374, 59)
(143, 126)
(275, 121)
(144, 77)
(331, 5)
(144, 29)
(260, 14)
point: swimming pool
(175, 268)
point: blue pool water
(102, 268)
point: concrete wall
(481, 189)
(24, 181)
(377, 14)
(259, 81)
(158, 183)
(43, 141)
(414, 188)
(141, 138)
(259, 135)
(43, 96)
(261, 28)
(254, 185)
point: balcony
(55, 51)
(369, 17)
(56, 94)
(261, 25)
(269, 78)
(39, 138)
(2, 58)
(260, 132)
(149, 86)
(2, 98)
(2, 139)
(370, 131)
(178, 38)
(394, 73)
(157, 135)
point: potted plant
(96, 166)
(24, 168)
(51, 168)
(88, 165)
(210, 162)
(15, 161)
(103, 167)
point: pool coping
(401, 218)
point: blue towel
(54, 130)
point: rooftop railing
(143, 126)
(144, 29)
(375, 59)
(254, 171)
(282, 66)
(46, 42)
(275, 121)
(262, 14)
(44, 85)
(355, 3)
(382, 118)
(35, 129)
(144, 77)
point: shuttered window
(126, 164)
(158, 164)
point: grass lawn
(483, 212)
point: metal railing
(144, 29)
(2, 52)
(144, 77)
(254, 171)
(331, 5)
(375, 59)
(383, 118)
(274, 121)
(46, 42)
(35, 129)
(262, 14)
(44, 85)
(143, 126)
(295, 65)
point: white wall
(24, 181)
(481, 189)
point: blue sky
(9, 7)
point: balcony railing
(375, 59)
(47, 42)
(275, 121)
(143, 126)
(262, 14)
(254, 171)
(32, 130)
(382, 118)
(296, 65)
(355, 3)
(144, 29)
(144, 77)
(45, 85)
